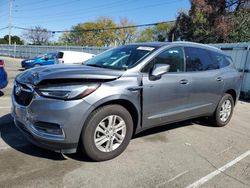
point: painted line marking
(177, 176)
(225, 150)
(5, 107)
(5, 98)
(208, 177)
(172, 179)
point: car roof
(151, 44)
(194, 44)
(182, 43)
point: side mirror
(160, 69)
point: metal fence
(29, 51)
(240, 52)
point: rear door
(207, 80)
(166, 99)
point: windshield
(121, 58)
(48, 55)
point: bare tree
(37, 35)
(125, 35)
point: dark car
(97, 107)
(3, 75)
(46, 59)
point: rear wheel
(107, 132)
(224, 111)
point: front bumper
(69, 115)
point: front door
(165, 99)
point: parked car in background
(73, 57)
(46, 59)
(3, 75)
(97, 107)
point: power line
(46, 7)
(127, 10)
(3, 28)
(33, 3)
(106, 5)
(96, 30)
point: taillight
(1, 63)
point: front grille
(23, 94)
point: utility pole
(10, 19)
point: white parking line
(177, 176)
(225, 150)
(172, 179)
(208, 177)
(3, 98)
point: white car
(73, 57)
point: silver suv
(98, 106)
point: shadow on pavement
(14, 138)
(168, 127)
(1, 93)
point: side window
(222, 60)
(173, 57)
(199, 60)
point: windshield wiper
(106, 67)
(94, 65)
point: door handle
(219, 79)
(184, 81)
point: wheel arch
(232, 92)
(128, 105)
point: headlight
(67, 92)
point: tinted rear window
(222, 60)
(199, 59)
(59, 55)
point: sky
(63, 14)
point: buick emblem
(18, 90)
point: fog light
(49, 128)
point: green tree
(241, 28)
(91, 33)
(155, 33)
(14, 40)
(210, 21)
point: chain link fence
(29, 51)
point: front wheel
(107, 132)
(224, 111)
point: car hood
(67, 72)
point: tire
(95, 129)
(217, 118)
